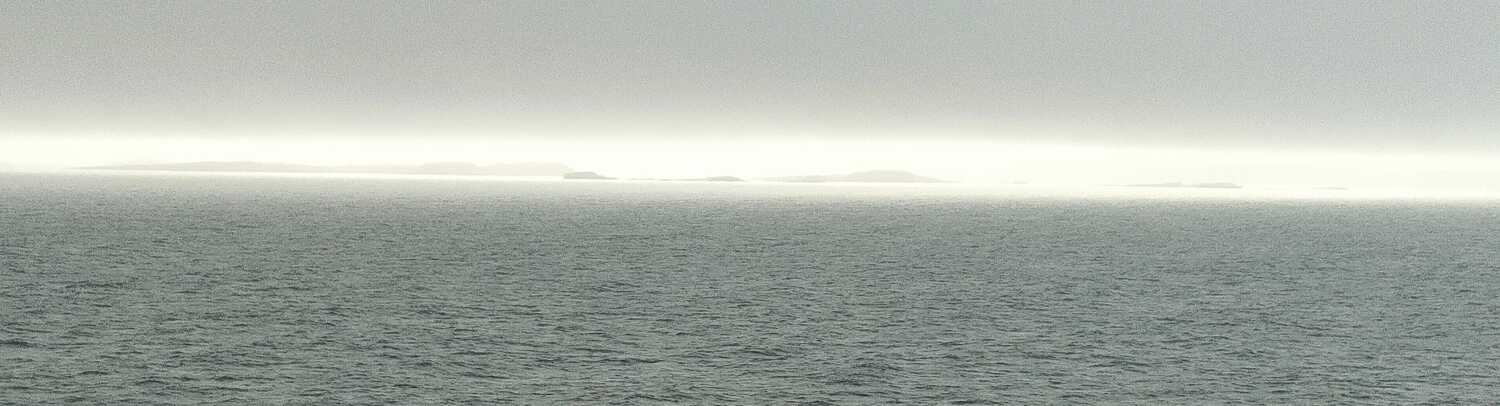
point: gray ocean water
(254, 290)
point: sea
(174, 289)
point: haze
(1384, 94)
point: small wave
(12, 342)
(94, 285)
(150, 381)
(633, 360)
(764, 352)
(471, 374)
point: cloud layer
(1256, 73)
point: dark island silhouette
(585, 175)
(435, 168)
(1208, 185)
(877, 176)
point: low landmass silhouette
(877, 176)
(436, 168)
(585, 175)
(1208, 185)
(707, 179)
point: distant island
(707, 179)
(1208, 185)
(585, 175)
(435, 168)
(878, 176)
(499, 169)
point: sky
(843, 84)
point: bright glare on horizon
(968, 161)
(1297, 95)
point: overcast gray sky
(1357, 74)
